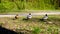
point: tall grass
(29, 4)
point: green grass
(7, 6)
(33, 26)
(29, 4)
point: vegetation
(29, 5)
(33, 26)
